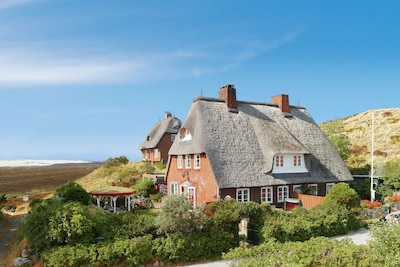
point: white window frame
(188, 160)
(328, 187)
(279, 161)
(173, 188)
(285, 193)
(180, 162)
(173, 137)
(297, 162)
(295, 187)
(155, 152)
(269, 195)
(196, 160)
(243, 195)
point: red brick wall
(202, 179)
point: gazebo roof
(113, 191)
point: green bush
(384, 244)
(318, 251)
(71, 225)
(36, 225)
(344, 195)
(128, 225)
(179, 216)
(131, 252)
(191, 247)
(72, 191)
(113, 162)
(301, 224)
(145, 186)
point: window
(329, 187)
(187, 161)
(266, 195)
(283, 193)
(173, 188)
(187, 136)
(173, 136)
(297, 188)
(180, 162)
(197, 161)
(156, 152)
(279, 161)
(243, 195)
(297, 161)
(314, 189)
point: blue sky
(87, 80)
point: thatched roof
(169, 125)
(113, 191)
(241, 143)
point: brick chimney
(228, 93)
(282, 101)
(168, 115)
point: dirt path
(11, 224)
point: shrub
(128, 225)
(36, 224)
(301, 224)
(72, 191)
(114, 162)
(179, 216)
(144, 187)
(3, 200)
(344, 195)
(192, 247)
(131, 252)
(318, 251)
(384, 244)
(71, 225)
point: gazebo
(113, 192)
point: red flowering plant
(367, 204)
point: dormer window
(279, 160)
(185, 134)
(289, 163)
(297, 160)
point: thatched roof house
(158, 141)
(251, 151)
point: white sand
(32, 162)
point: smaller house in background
(158, 141)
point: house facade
(251, 151)
(158, 141)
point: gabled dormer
(289, 163)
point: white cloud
(40, 65)
(4, 4)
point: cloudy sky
(87, 80)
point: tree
(334, 132)
(72, 191)
(343, 194)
